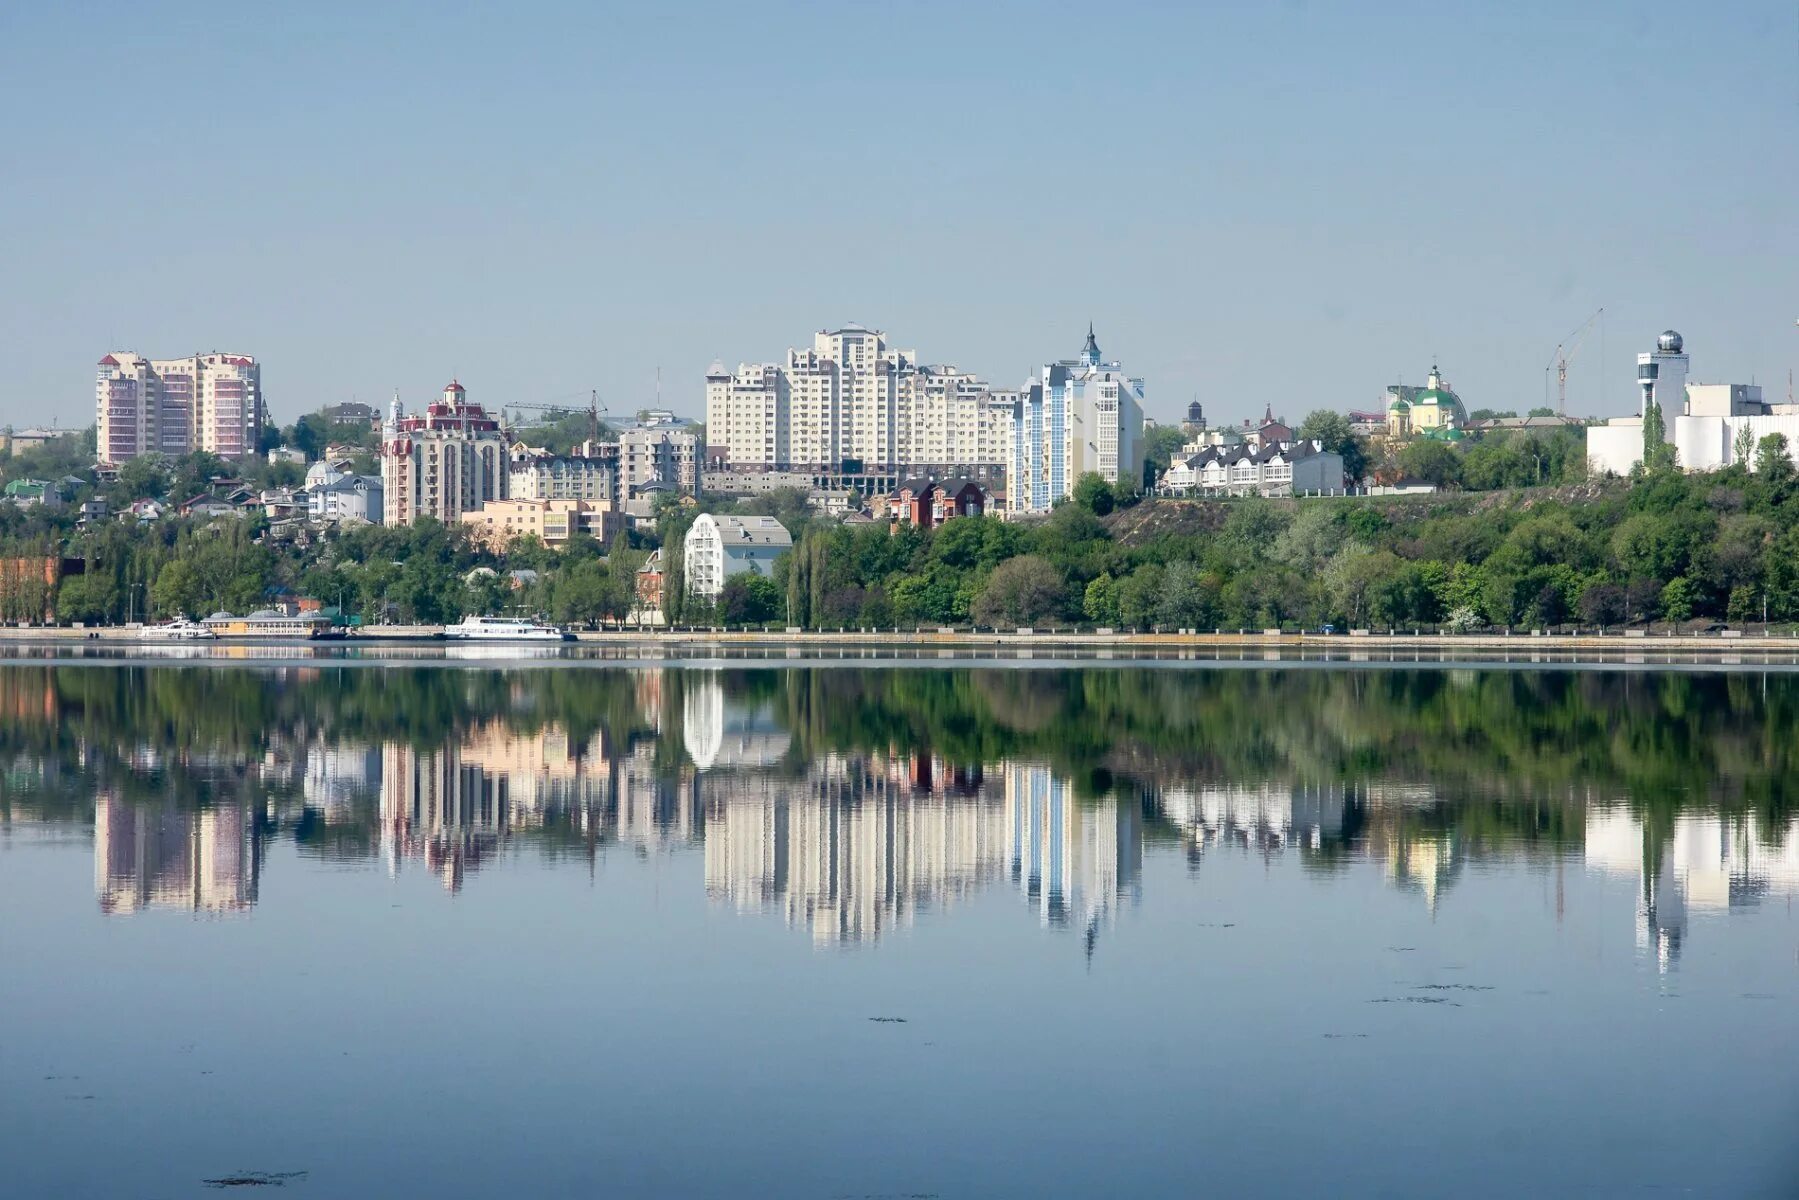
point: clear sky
(1295, 202)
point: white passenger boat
(505, 629)
(179, 630)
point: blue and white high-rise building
(1079, 415)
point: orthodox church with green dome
(1433, 410)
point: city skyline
(1459, 184)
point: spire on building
(1090, 352)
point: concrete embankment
(1524, 642)
(1724, 643)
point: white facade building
(1277, 469)
(717, 548)
(448, 460)
(172, 406)
(346, 499)
(1702, 421)
(851, 396)
(1079, 415)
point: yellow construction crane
(1564, 354)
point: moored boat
(506, 629)
(179, 630)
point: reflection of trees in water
(1512, 756)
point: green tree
(1429, 459)
(1658, 454)
(1022, 591)
(1331, 430)
(1743, 448)
(1100, 602)
(1189, 600)
(1603, 604)
(1677, 600)
(1093, 493)
(1773, 460)
(1138, 595)
(749, 599)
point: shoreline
(1727, 643)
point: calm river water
(897, 930)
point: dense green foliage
(1485, 750)
(1665, 546)
(1496, 549)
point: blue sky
(1293, 203)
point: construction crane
(1564, 354)
(594, 411)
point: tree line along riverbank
(1661, 549)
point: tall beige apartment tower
(172, 406)
(445, 461)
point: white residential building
(172, 406)
(448, 460)
(719, 547)
(1079, 415)
(1276, 469)
(852, 397)
(346, 499)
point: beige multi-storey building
(536, 475)
(553, 522)
(443, 462)
(657, 454)
(850, 396)
(747, 415)
(172, 406)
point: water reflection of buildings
(1270, 818)
(1075, 861)
(1695, 864)
(722, 734)
(201, 861)
(1266, 817)
(456, 806)
(340, 777)
(859, 845)
(850, 850)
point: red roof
(109, 361)
(454, 387)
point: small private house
(649, 587)
(718, 547)
(344, 498)
(928, 503)
(33, 493)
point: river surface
(897, 929)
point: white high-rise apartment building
(209, 402)
(443, 462)
(1079, 415)
(851, 396)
